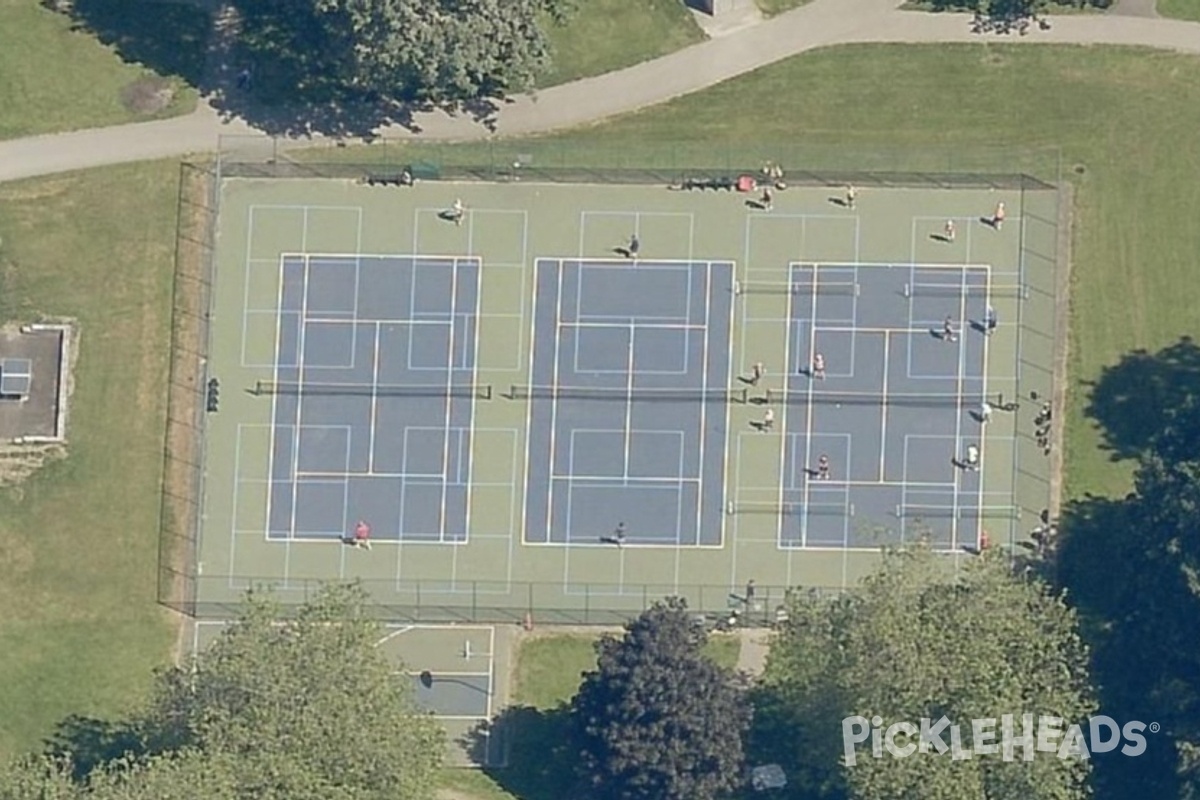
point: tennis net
(780, 509)
(475, 390)
(623, 394)
(1019, 291)
(820, 287)
(804, 397)
(957, 512)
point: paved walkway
(819, 24)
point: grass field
(79, 628)
(57, 79)
(1180, 9)
(549, 667)
(605, 35)
(81, 640)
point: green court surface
(498, 569)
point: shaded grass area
(79, 628)
(62, 75)
(1180, 9)
(606, 35)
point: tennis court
(530, 418)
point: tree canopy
(916, 643)
(398, 50)
(302, 708)
(658, 720)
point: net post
(857, 289)
(729, 507)
(737, 287)
(851, 509)
(745, 395)
(908, 290)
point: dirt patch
(148, 95)
(182, 445)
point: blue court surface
(374, 397)
(629, 403)
(894, 410)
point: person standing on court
(362, 535)
(619, 534)
(634, 246)
(998, 215)
(989, 321)
(757, 370)
(818, 367)
(948, 331)
(948, 231)
(972, 457)
(749, 593)
(458, 211)
(766, 199)
(768, 421)
(823, 468)
(851, 196)
(985, 412)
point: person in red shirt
(362, 535)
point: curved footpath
(819, 24)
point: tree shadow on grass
(1136, 615)
(89, 742)
(274, 74)
(1130, 567)
(169, 38)
(539, 763)
(1133, 400)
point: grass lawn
(79, 628)
(605, 35)
(57, 79)
(1180, 9)
(549, 667)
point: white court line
(558, 291)
(887, 340)
(674, 326)
(808, 425)
(374, 404)
(704, 382)
(469, 435)
(958, 415)
(529, 422)
(233, 520)
(448, 409)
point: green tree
(399, 50)
(301, 708)
(657, 720)
(913, 643)
(38, 778)
(183, 775)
